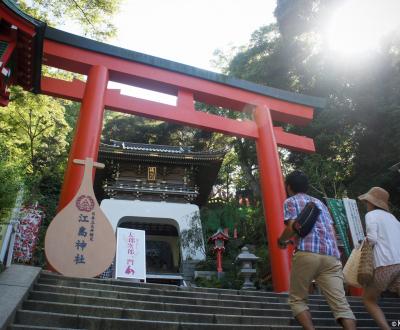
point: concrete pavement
(15, 283)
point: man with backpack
(316, 255)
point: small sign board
(131, 254)
(353, 217)
(152, 173)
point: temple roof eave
(207, 163)
(36, 30)
(143, 157)
(158, 153)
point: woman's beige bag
(350, 270)
(366, 267)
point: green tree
(355, 135)
(356, 132)
(93, 17)
(36, 130)
(35, 125)
(142, 130)
(10, 178)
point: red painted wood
(70, 90)
(145, 76)
(273, 192)
(183, 113)
(11, 18)
(293, 142)
(87, 133)
(9, 50)
(219, 261)
(185, 100)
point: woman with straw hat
(383, 232)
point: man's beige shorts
(327, 273)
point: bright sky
(357, 26)
(188, 31)
(185, 31)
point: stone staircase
(59, 302)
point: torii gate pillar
(88, 131)
(273, 196)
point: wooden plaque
(152, 173)
(80, 240)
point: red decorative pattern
(27, 233)
(85, 203)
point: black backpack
(305, 221)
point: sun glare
(358, 26)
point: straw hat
(376, 196)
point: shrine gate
(27, 44)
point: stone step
(60, 302)
(129, 286)
(155, 297)
(267, 317)
(278, 308)
(156, 287)
(111, 292)
(146, 290)
(151, 297)
(33, 327)
(47, 275)
(48, 319)
(138, 314)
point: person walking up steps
(316, 257)
(383, 232)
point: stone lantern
(246, 260)
(219, 239)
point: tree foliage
(356, 135)
(36, 130)
(142, 130)
(93, 17)
(11, 181)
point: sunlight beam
(359, 25)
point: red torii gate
(27, 43)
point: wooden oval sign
(80, 241)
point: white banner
(131, 254)
(353, 217)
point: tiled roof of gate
(115, 148)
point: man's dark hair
(297, 181)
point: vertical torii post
(273, 196)
(88, 131)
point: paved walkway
(15, 283)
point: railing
(7, 246)
(162, 188)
